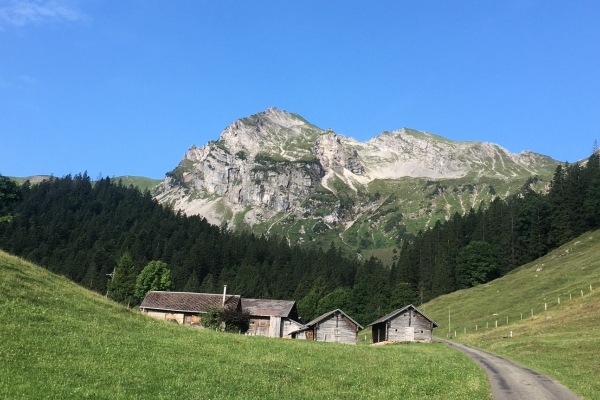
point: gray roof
(325, 316)
(187, 301)
(268, 308)
(393, 314)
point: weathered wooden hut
(186, 307)
(406, 324)
(271, 318)
(335, 326)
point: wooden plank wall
(167, 316)
(336, 328)
(259, 326)
(422, 327)
(275, 327)
(191, 319)
(397, 327)
(289, 326)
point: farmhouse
(406, 324)
(185, 307)
(271, 318)
(334, 326)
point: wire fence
(499, 320)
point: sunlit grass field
(140, 182)
(560, 339)
(59, 340)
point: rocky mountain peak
(272, 131)
(275, 169)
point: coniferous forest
(80, 229)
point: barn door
(409, 334)
(336, 335)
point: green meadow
(561, 338)
(62, 341)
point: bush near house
(226, 320)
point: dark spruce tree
(121, 287)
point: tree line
(491, 241)
(81, 229)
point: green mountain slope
(62, 341)
(32, 179)
(560, 339)
(140, 182)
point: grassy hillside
(32, 179)
(560, 339)
(140, 182)
(61, 341)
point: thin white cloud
(26, 12)
(27, 79)
(18, 82)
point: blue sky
(126, 87)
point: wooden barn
(271, 318)
(406, 324)
(186, 307)
(335, 326)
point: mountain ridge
(274, 165)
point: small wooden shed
(406, 324)
(271, 318)
(186, 307)
(335, 326)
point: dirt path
(511, 381)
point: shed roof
(325, 316)
(268, 308)
(187, 301)
(394, 313)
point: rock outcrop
(274, 168)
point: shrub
(226, 320)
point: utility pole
(449, 335)
(112, 275)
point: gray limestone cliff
(275, 169)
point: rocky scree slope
(276, 172)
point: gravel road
(511, 381)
